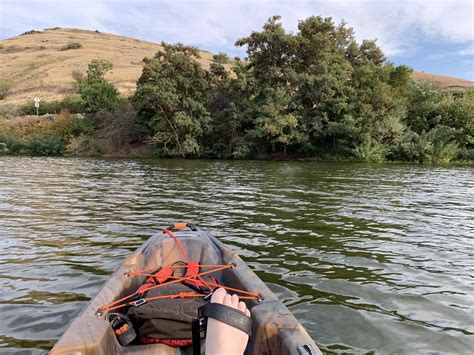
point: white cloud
(468, 51)
(399, 25)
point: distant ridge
(37, 63)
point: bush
(442, 147)
(221, 58)
(31, 32)
(73, 103)
(43, 144)
(71, 45)
(9, 144)
(370, 152)
(3, 149)
(10, 111)
(99, 95)
(5, 86)
(67, 126)
(13, 49)
(96, 92)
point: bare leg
(222, 338)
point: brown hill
(443, 82)
(38, 64)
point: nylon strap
(228, 315)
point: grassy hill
(40, 63)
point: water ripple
(370, 258)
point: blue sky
(435, 36)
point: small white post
(37, 105)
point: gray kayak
(274, 329)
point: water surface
(370, 258)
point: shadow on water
(370, 258)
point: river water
(370, 258)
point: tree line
(313, 93)
(316, 93)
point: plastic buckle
(139, 302)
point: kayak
(274, 328)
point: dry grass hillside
(443, 82)
(36, 64)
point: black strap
(227, 315)
(196, 335)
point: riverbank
(80, 135)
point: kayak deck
(275, 329)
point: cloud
(467, 51)
(400, 26)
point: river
(370, 258)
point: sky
(435, 36)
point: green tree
(96, 92)
(172, 98)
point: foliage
(96, 92)
(10, 110)
(99, 95)
(97, 69)
(5, 86)
(117, 127)
(221, 58)
(171, 99)
(4, 149)
(316, 92)
(71, 45)
(31, 32)
(46, 135)
(369, 151)
(44, 144)
(72, 103)
(9, 144)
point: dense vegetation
(316, 93)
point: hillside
(36, 65)
(443, 82)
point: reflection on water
(368, 257)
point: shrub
(31, 32)
(99, 95)
(44, 144)
(369, 151)
(221, 58)
(71, 45)
(442, 148)
(96, 92)
(3, 149)
(13, 49)
(73, 103)
(9, 144)
(66, 125)
(10, 111)
(5, 86)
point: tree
(172, 98)
(97, 93)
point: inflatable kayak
(274, 330)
